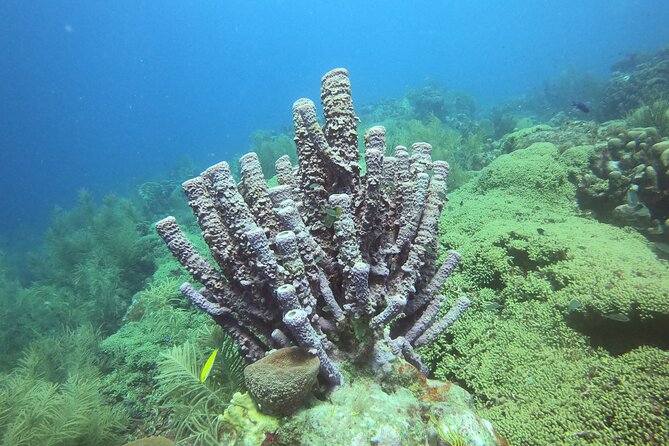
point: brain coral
(280, 381)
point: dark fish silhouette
(581, 106)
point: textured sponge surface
(281, 381)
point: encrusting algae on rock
(340, 264)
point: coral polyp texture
(340, 263)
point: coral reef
(621, 172)
(636, 82)
(341, 264)
(245, 425)
(466, 150)
(93, 260)
(271, 146)
(654, 114)
(13, 336)
(429, 100)
(572, 84)
(153, 323)
(566, 340)
(156, 199)
(156, 196)
(196, 407)
(367, 412)
(568, 134)
(629, 178)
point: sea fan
(196, 404)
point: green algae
(244, 424)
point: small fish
(574, 305)
(336, 212)
(331, 215)
(206, 370)
(617, 317)
(582, 106)
(541, 231)
(492, 306)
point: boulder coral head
(280, 381)
(341, 264)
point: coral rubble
(339, 263)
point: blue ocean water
(105, 95)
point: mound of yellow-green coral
(567, 340)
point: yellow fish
(204, 374)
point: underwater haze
(106, 95)
(474, 192)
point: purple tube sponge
(306, 336)
(337, 262)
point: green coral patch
(533, 174)
(569, 314)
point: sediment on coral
(342, 264)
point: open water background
(104, 95)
